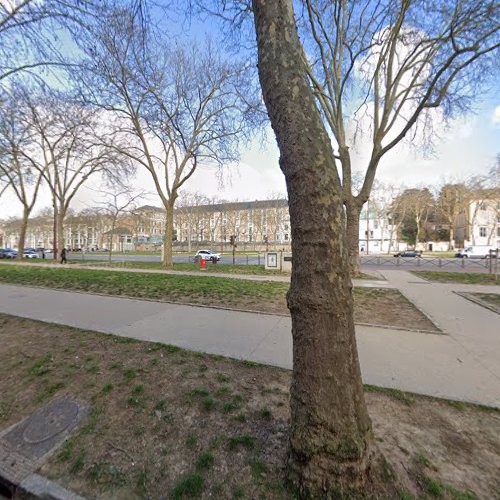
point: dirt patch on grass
(165, 422)
(465, 278)
(377, 306)
(386, 306)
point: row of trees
(138, 100)
(48, 140)
(328, 73)
(196, 218)
(427, 213)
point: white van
(476, 252)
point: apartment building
(479, 222)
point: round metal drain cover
(50, 421)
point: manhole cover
(37, 434)
(50, 421)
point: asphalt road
(367, 262)
(226, 259)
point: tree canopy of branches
(178, 106)
(383, 68)
(31, 33)
(19, 156)
(72, 151)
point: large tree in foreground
(331, 450)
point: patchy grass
(380, 306)
(451, 277)
(248, 269)
(491, 299)
(171, 446)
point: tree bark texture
(60, 231)
(22, 234)
(353, 213)
(168, 239)
(55, 250)
(331, 447)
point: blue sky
(467, 148)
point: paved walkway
(463, 363)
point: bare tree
(396, 214)
(19, 156)
(179, 106)
(116, 203)
(451, 201)
(31, 34)
(70, 138)
(190, 216)
(331, 447)
(387, 66)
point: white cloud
(496, 116)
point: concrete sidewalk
(432, 364)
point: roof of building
(239, 205)
(224, 206)
(119, 231)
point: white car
(207, 255)
(30, 254)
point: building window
(498, 231)
(375, 224)
(286, 236)
(482, 232)
(483, 206)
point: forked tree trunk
(168, 238)
(353, 213)
(331, 446)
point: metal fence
(489, 264)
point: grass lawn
(169, 423)
(467, 278)
(254, 269)
(251, 269)
(491, 300)
(444, 255)
(372, 305)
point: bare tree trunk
(331, 446)
(60, 231)
(168, 238)
(418, 232)
(54, 233)
(452, 234)
(353, 212)
(22, 233)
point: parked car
(30, 253)
(7, 253)
(478, 252)
(207, 255)
(408, 253)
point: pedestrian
(63, 256)
(43, 253)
